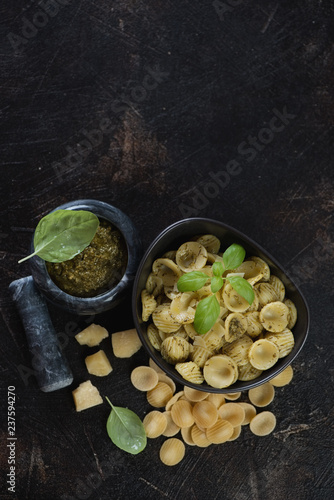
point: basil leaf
(218, 269)
(126, 430)
(243, 288)
(63, 234)
(216, 283)
(207, 312)
(190, 282)
(233, 256)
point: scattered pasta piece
(262, 395)
(173, 400)
(220, 432)
(283, 378)
(155, 367)
(164, 378)
(171, 429)
(92, 335)
(236, 433)
(216, 399)
(194, 394)
(172, 451)
(182, 414)
(155, 424)
(233, 413)
(250, 412)
(263, 424)
(199, 437)
(159, 395)
(144, 378)
(187, 437)
(126, 343)
(205, 414)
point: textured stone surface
(50, 366)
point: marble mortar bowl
(109, 299)
(170, 239)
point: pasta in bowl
(211, 327)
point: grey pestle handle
(51, 368)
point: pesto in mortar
(97, 268)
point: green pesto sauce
(97, 268)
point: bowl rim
(116, 217)
(155, 355)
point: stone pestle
(51, 368)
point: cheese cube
(92, 335)
(98, 364)
(125, 343)
(86, 395)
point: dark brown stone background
(218, 80)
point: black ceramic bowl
(170, 239)
(110, 298)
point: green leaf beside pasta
(126, 430)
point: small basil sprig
(207, 310)
(126, 430)
(63, 234)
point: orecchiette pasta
(175, 349)
(167, 270)
(163, 319)
(148, 304)
(191, 256)
(245, 340)
(210, 242)
(199, 417)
